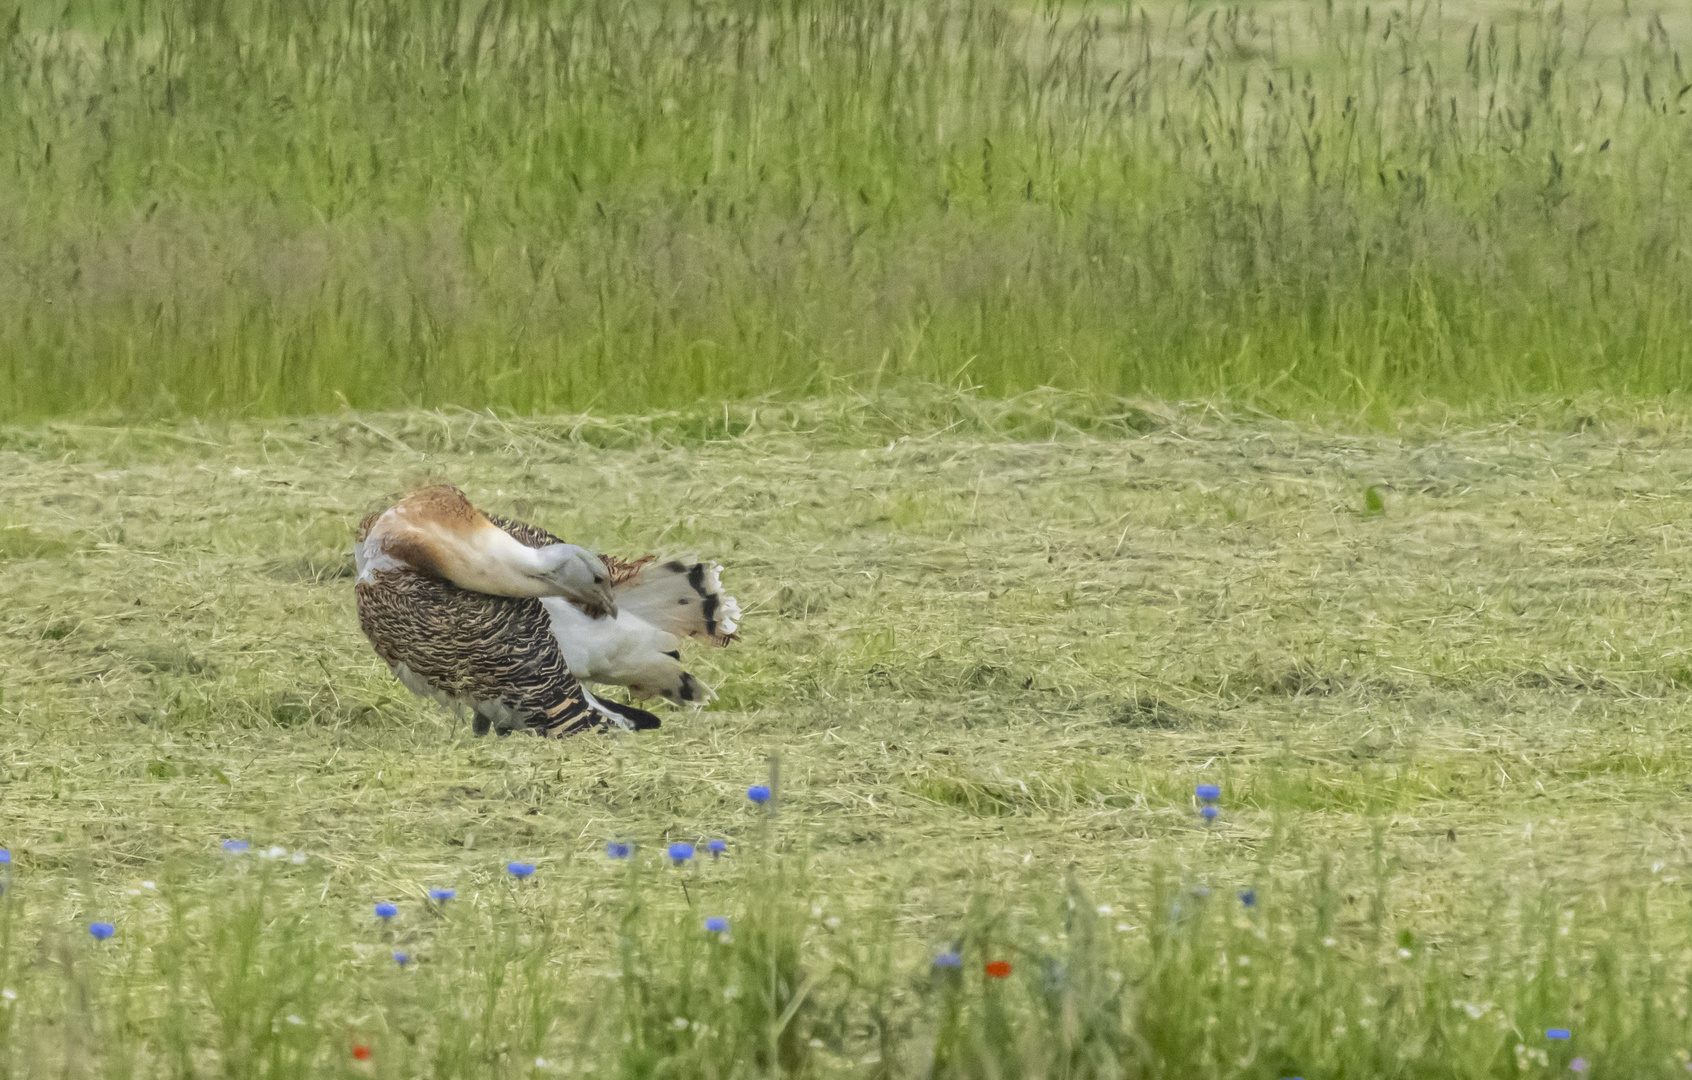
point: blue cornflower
(1560, 1034)
(716, 924)
(948, 959)
(758, 793)
(520, 870)
(1248, 897)
(1208, 792)
(385, 910)
(235, 847)
(401, 959)
(101, 930)
(716, 847)
(681, 852)
(5, 857)
(617, 849)
(441, 896)
(1208, 813)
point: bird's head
(579, 577)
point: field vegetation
(891, 307)
(1439, 677)
(268, 208)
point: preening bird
(501, 616)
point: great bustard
(478, 610)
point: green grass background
(246, 207)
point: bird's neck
(473, 554)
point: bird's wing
(478, 649)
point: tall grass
(246, 969)
(262, 207)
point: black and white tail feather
(627, 717)
(658, 605)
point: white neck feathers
(468, 550)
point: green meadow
(267, 208)
(1090, 405)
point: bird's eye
(597, 580)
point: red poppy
(998, 969)
(361, 1052)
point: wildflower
(948, 959)
(519, 870)
(441, 896)
(235, 847)
(401, 959)
(1558, 1034)
(9, 994)
(716, 847)
(617, 849)
(998, 969)
(101, 930)
(758, 793)
(716, 924)
(1208, 792)
(681, 852)
(275, 851)
(385, 911)
(298, 858)
(294, 1020)
(1209, 813)
(1577, 1065)
(5, 857)
(1248, 897)
(361, 1052)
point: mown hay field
(1439, 676)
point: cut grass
(991, 669)
(263, 207)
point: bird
(474, 609)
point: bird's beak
(596, 600)
(608, 603)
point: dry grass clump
(1442, 717)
